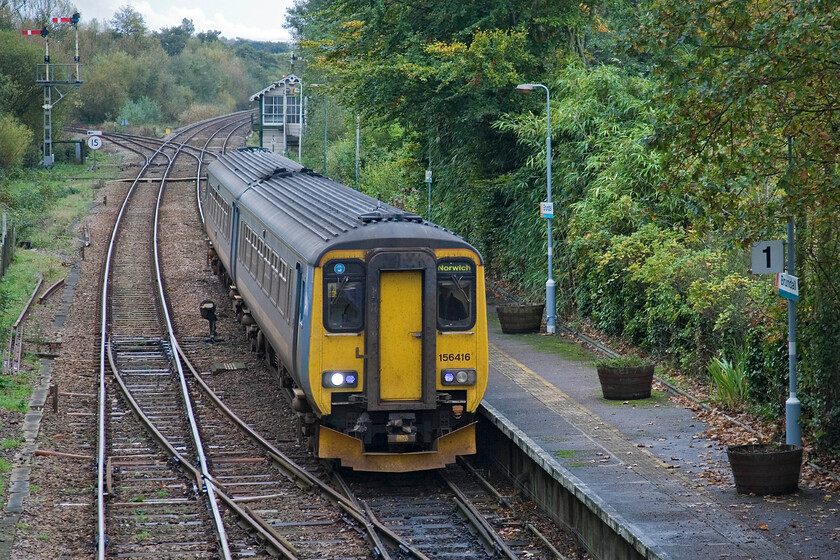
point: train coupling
(400, 427)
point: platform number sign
(94, 142)
(768, 257)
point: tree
(174, 39)
(744, 77)
(209, 36)
(440, 68)
(128, 22)
(20, 97)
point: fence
(7, 248)
(7, 253)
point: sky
(259, 20)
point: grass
(44, 205)
(5, 468)
(567, 453)
(553, 344)
(10, 443)
(15, 391)
(729, 381)
(656, 398)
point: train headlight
(458, 377)
(335, 379)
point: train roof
(314, 214)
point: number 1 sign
(768, 257)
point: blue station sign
(787, 286)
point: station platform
(644, 464)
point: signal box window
(344, 296)
(456, 295)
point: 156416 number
(455, 357)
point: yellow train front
(382, 336)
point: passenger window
(344, 296)
(456, 295)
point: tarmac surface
(642, 461)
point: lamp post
(547, 211)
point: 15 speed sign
(94, 142)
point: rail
(105, 346)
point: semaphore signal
(54, 76)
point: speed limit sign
(94, 142)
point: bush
(15, 141)
(729, 380)
(141, 111)
(201, 112)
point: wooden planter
(520, 317)
(626, 383)
(765, 468)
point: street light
(547, 210)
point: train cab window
(456, 295)
(344, 296)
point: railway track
(244, 478)
(162, 488)
(137, 342)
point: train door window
(282, 292)
(245, 246)
(344, 295)
(456, 295)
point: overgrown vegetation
(130, 74)
(669, 127)
(46, 205)
(681, 134)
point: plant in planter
(765, 468)
(520, 317)
(625, 377)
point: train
(373, 318)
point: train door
(400, 341)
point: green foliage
(141, 111)
(626, 361)
(15, 391)
(10, 443)
(174, 39)
(766, 368)
(729, 380)
(20, 100)
(15, 141)
(128, 22)
(752, 139)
